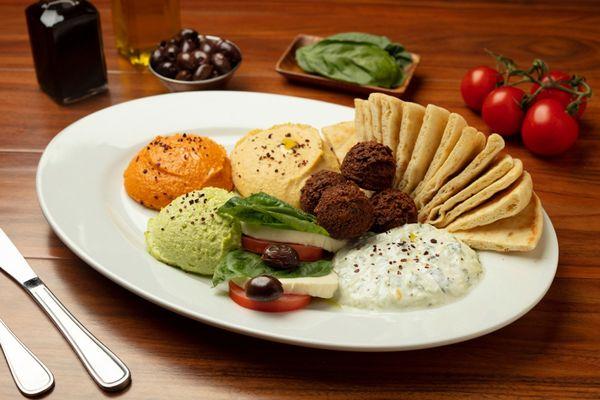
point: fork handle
(107, 370)
(31, 376)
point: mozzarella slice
(296, 237)
(315, 286)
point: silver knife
(31, 376)
(105, 368)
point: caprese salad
(285, 258)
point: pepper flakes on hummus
(171, 166)
(279, 160)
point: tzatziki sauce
(409, 267)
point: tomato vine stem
(537, 74)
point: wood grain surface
(551, 352)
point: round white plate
(80, 189)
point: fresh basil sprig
(242, 264)
(356, 57)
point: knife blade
(12, 262)
(107, 370)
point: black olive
(184, 75)
(264, 288)
(157, 56)
(163, 43)
(207, 46)
(202, 72)
(171, 51)
(200, 56)
(187, 33)
(186, 61)
(230, 51)
(221, 63)
(187, 46)
(176, 40)
(167, 69)
(280, 256)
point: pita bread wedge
(329, 157)
(375, 103)
(390, 109)
(470, 144)
(504, 204)
(494, 144)
(340, 138)
(500, 167)
(521, 232)
(452, 133)
(500, 184)
(368, 118)
(428, 140)
(410, 125)
(362, 121)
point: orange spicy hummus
(174, 165)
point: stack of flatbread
(458, 177)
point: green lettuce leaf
(264, 210)
(242, 264)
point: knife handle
(106, 369)
(31, 376)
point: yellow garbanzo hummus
(278, 161)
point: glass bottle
(141, 24)
(66, 43)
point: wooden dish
(288, 67)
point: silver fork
(31, 376)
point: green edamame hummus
(189, 234)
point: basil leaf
(302, 58)
(264, 210)
(402, 57)
(242, 264)
(358, 37)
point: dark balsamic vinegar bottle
(66, 43)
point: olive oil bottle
(141, 24)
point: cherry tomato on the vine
(502, 110)
(548, 129)
(562, 97)
(477, 84)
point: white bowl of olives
(190, 61)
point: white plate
(79, 185)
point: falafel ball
(344, 211)
(315, 185)
(371, 165)
(392, 208)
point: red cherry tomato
(477, 84)
(502, 110)
(287, 302)
(306, 253)
(563, 98)
(547, 128)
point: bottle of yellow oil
(141, 24)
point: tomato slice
(306, 253)
(287, 302)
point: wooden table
(552, 352)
